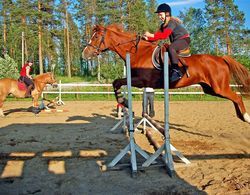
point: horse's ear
(97, 28)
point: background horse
(10, 86)
(213, 73)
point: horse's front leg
(118, 83)
(1, 109)
(35, 100)
(35, 108)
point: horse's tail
(239, 74)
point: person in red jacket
(171, 28)
(26, 77)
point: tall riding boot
(28, 91)
(175, 73)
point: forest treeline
(56, 31)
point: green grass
(97, 97)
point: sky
(181, 5)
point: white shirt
(149, 89)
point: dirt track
(61, 153)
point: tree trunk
(228, 43)
(24, 47)
(67, 39)
(40, 39)
(4, 28)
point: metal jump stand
(60, 102)
(167, 157)
(132, 147)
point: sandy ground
(63, 153)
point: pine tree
(153, 21)
(225, 23)
(194, 21)
(8, 67)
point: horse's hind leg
(238, 103)
(231, 95)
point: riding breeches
(177, 46)
(26, 80)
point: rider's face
(162, 16)
(30, 63)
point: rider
(26, 77)
(178, 35)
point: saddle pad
(21, 86)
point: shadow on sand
(66, 158)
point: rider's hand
(148, 34)
(145, 37)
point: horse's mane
(41, 76)
(117, 27)
(120, 28)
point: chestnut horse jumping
(213, 73)
(10, 86)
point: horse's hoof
(2, 115)
(36, 110)
(246, 118)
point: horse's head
(46, 78)
(97, 43)
(51, 79)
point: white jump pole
(132, 147)
(60, 102)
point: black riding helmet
(164, 8)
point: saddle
(158, 56)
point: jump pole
(167, 158)
(132, 147)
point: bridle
(98, 48)
(102, 42)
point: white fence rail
(62, 87)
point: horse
(213, 73)
(10, 86)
